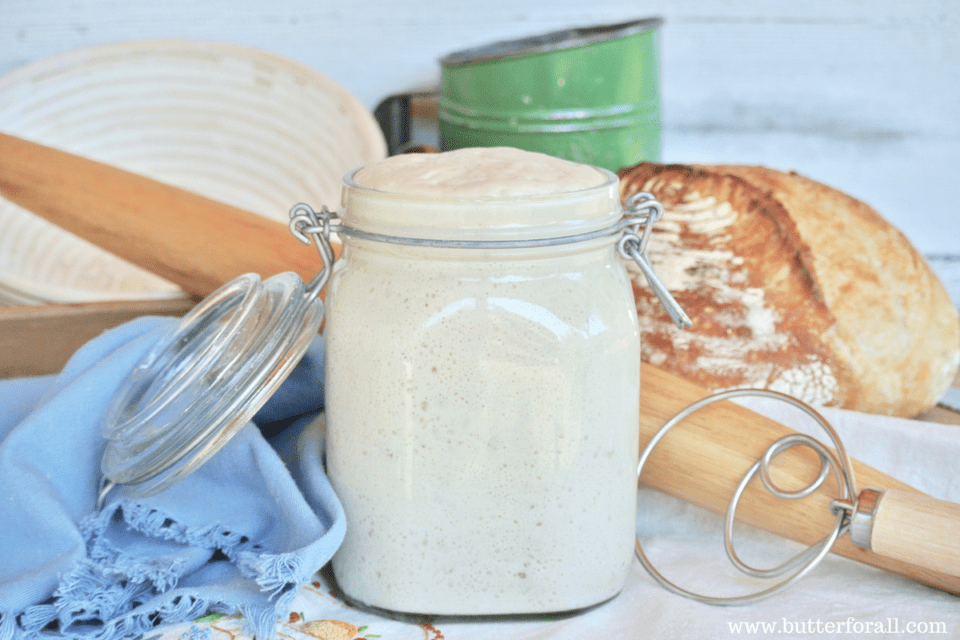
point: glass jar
(482, 394)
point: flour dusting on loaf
(792, 286)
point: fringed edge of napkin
(101, 596)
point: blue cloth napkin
(240, 535)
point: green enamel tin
(588, 94)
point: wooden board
(39, 340)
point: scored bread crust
(792, 286)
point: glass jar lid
(205, 379)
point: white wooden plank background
(863, 95)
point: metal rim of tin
(552, 41)
(556, 121)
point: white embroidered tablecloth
(840, 598)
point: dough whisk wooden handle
(906, 526)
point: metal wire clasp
(642, 209)
(304, 222)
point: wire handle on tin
(645, 210)
(844, 508)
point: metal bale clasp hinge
(306, 223)
(643, 210)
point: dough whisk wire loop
(844, 507)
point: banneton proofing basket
(239, 125)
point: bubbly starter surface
(482, 425)
(478, 173)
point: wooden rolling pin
(200, 244)
(703, 459)
(188, 239)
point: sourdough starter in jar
(482, 404)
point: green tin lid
(553, 41)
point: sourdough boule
(792, 286)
